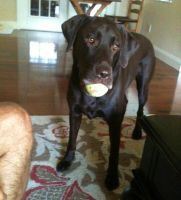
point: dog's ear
(129, 47)
(71, 27)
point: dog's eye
(115, 47)
(91, 40)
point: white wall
(165, 22)
(8, 13)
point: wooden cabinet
(159, 174)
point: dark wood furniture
(78, 8)
(159, 174)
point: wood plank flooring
(34, 72)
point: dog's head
(99, 47)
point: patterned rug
(84, 180)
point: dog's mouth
(106, 82)
(96, 87)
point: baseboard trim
(11, 24)
(168, 58)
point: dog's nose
(103, 72)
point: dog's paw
(63, 165)
(111, 182)
(137, 133)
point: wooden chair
(131, 21)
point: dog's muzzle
(101, 75)
(98, 84)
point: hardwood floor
(34, 71)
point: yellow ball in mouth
(96, 90)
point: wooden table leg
(77, 7)
(79, 10)
(90, 9)
(103, 5)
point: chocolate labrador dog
(106, 54)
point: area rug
(84, 180)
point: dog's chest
(93, 107)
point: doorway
(42, 15)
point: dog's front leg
(112, 178)
(75, 121)
(114, 122)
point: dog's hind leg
(142, 98)
(75, 121)
(142, 80)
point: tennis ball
(96, 90)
